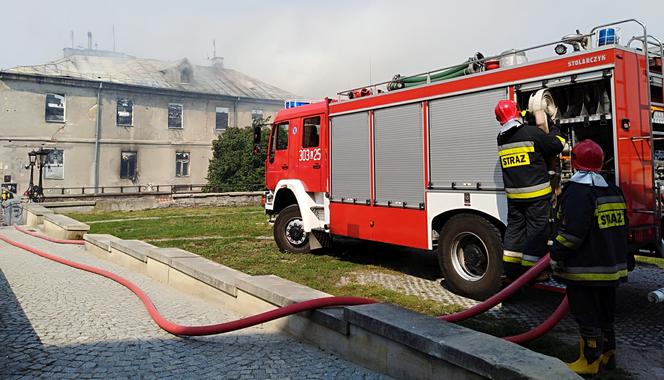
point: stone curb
(135, 248)
(102, 241)
(487, 355)
(64, 227)
(216, 275)
(382, 337)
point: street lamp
(36, 193)
(32, 155)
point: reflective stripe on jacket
(591, 244)
(523, 152)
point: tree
(234, 165)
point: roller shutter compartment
(350, 157)
(399, 156)
(462, 141)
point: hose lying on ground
(220, 328)
(499, 297)
(46, 237)
(253, 320)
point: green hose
(453, 72)
(436, 76)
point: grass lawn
(241, 238)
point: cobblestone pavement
(56, 321)
(639, 324)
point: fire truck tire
(289, 231)
(470, 256)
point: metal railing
(374, 87)
(132, 189)
(141, 189)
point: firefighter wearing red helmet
(590, 255)
(524, 151)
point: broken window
(55, 108)
(54, 167)
(125, 113)
(182, 164)
(221, 119)
(310, 132)
(256, 115)
(128, 162)
(174, 115)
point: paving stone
(81, 325)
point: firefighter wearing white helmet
(590, 255)
(524, 151)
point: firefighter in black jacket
(590, 255)
(524, 151)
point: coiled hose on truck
(299, 307)
(472, 65)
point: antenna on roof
(89, 40)
(114, 38)
(71, 36)
(214, 48)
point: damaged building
(117, 120)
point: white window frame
(179, 161)
(64, 108)
(48, 173)
(257, 111)
(117, 103)
(226, 110)
(181, 115)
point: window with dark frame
(221, 120)
(125, 113)
(310, 132)
(55, 108)
(282, 136)
(174, 116)
(55, 165)
(182, 164)
(128, 162)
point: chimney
(217, 62)
(89, 40)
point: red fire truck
(413, 161)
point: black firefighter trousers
(526, 234)
(594, 308)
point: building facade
(116, 120)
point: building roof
(127, 70)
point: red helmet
(506, 110)
(587, 155)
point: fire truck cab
(413, 161)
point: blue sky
(307, 47)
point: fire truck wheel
(470, 256)
(289, 231)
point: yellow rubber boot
(609, 348)
(590, 356)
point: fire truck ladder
(652, 48)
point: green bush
(234, 165)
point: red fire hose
(177, 329)
(253, 320)
(499, 297)
(46, 237)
